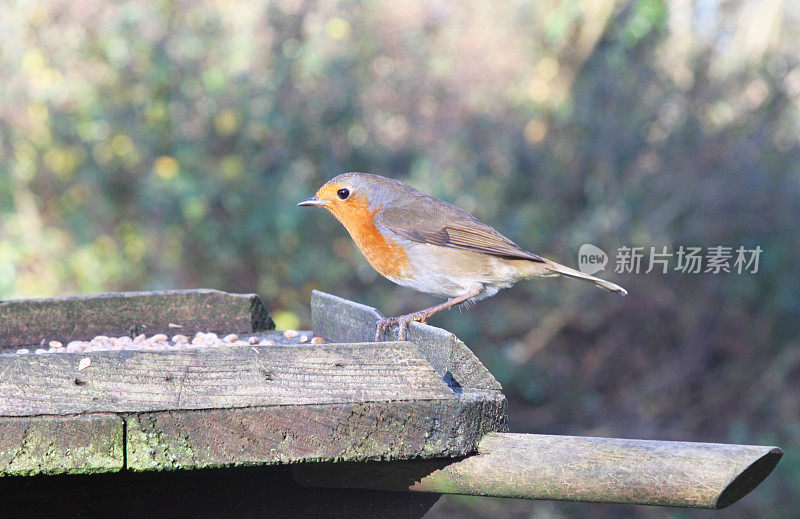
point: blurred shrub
(164, 145)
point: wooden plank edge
(269, 435)
(75, 444)
(247, 436)
(340, 320)
(26, 322)
(570, 468)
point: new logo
(591, 259)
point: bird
(432, 246)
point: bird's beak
(313, 200)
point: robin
(427, 244)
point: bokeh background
(153, 145)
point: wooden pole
(571, 468)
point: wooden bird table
(294, 427)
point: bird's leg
(422, 315)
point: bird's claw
(401, 321)
(383, 325)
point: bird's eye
(343, 194)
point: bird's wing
(452, 227)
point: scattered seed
(75, 346)
(290, 334)
(303, 338)
(173, 325)
(317, 340)
(84, 363)
(158, 341)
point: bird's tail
(562, 270)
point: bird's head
(351, 195)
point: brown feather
(450, 227)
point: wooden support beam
(26, 322)
(571, 468)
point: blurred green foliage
(148, 145)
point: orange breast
(385, 255)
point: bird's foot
(401, 321)
(421, 315)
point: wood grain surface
(211, 407)
(220, 377)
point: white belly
(447, 272)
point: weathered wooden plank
(222, 377)
(245, 405)
(291, 434)
(340, 320)
(28, 321)
(571, 468)
(223, 406)
(64, 444)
